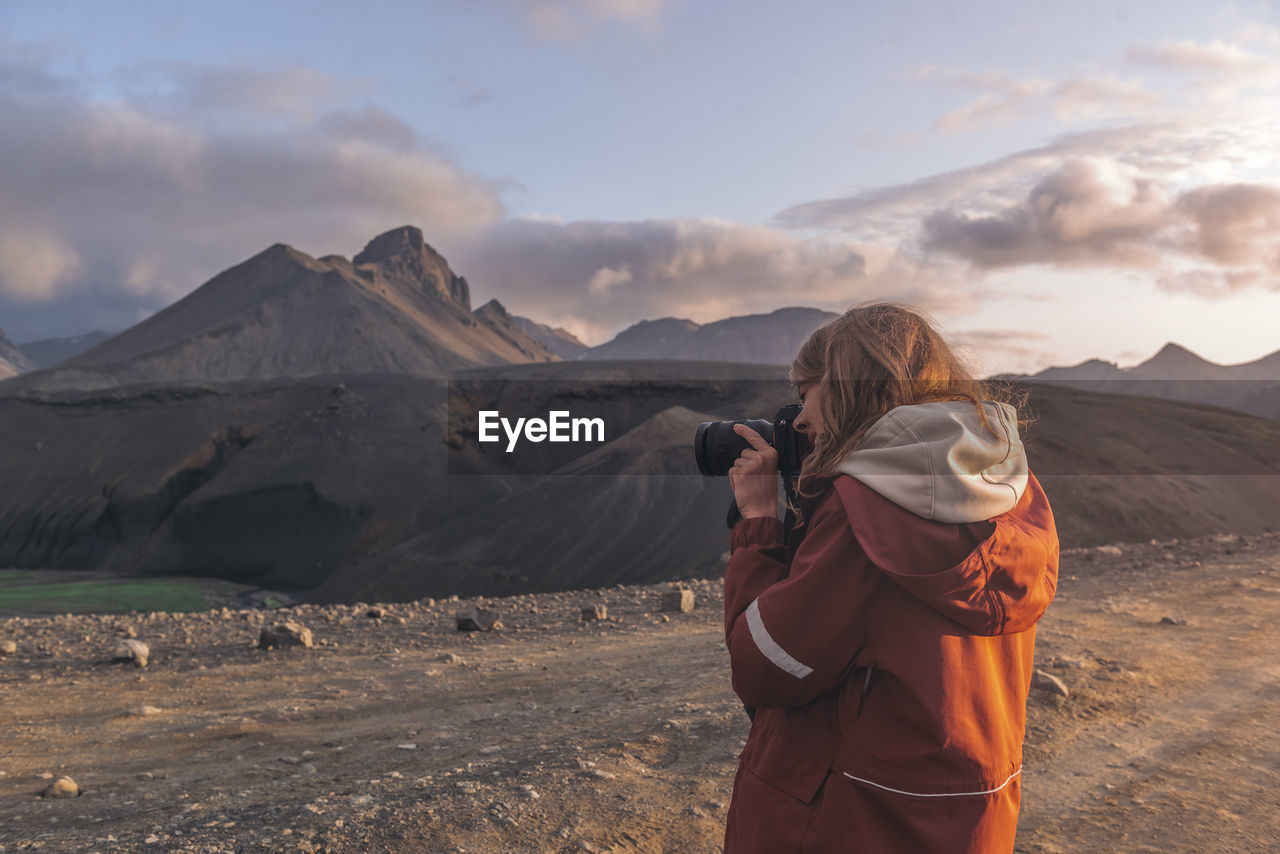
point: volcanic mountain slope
(770, 338)
(562, 342)
(1178, 374)
(1115, 469)
(360, 482)
(395, 307)
(13, 361)
(48, 352)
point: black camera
(716, 446)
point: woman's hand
(754, 476)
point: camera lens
(716, 446)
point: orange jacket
(889, 659)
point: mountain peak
(403, 257)
(493, 307)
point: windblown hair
(874, 358)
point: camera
(716, 446)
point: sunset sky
(1052, 181)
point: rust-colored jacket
(889, 658)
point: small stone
(146, 711)
(408, 746)
(63, 787)
(152, 839)
(135, 651)
(285, 634)
(1173, 621)
(375, 613)
(478, 620)
(450, 658)
(1111, 551)
(677, 600)
(595, 612)
(1048, 682)
(8, 647)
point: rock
(1173, 621)
(8, 648)
(677, 600)
(1111, 551)
(128, 649)
(375, 613)
(285, 634)
(595, 612)
(478, 620)
(1048, 682)
(63, 787)
(450, 658)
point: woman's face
(809, 421)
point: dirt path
(401, 734)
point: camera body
(716, 446)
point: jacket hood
(992, 577)
(938, 460)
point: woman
(886, 644)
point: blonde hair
(871, 359)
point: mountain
(13, 360)
(357, 483)
(395, 307)
(770, 338)
(48, 352)
(1176, 373)
(559, 341)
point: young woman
(887, 643)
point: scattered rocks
(478, 620)
(1048, 682)
(128, 649)
(8, 648)
(595, 612)
(63, 787)
(677, 600)
(284, 635)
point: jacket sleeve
(793, 628)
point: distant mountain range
(13, 361)
(1177, 373)
(396, 307)
(771, 339)
(48, 352)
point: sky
(1051, 182)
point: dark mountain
(397, 307)
(13, 360)
(48, 352)
(1177, 373)
(559, 341)
(360, 483)
(770, 338)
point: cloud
(143, 199)
(570, 20)
(1006, 97)
(1098, 213)
(595, 278)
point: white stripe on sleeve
(769, 647)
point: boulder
(285, 634)
(1048, 682)
(128, 649)
(63, 787)
(595, 612)
(478, 620)
(677, 600)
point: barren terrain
(399, 733)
